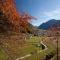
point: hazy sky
(43, 10)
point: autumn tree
(10, 18)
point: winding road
(28, 55)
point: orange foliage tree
(14, 19)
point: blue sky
(43, 10)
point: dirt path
(28, 55)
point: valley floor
(32, 48)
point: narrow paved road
(28, 55)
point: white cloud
(55, 14)
(47, 15)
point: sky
(43, 10)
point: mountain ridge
(49, 24)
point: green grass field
(41, 55)
(31, 46)
(3, 55)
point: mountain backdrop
(49, 24)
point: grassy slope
(42, 54)
(29, 47)
(3, 55)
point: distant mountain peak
(50, 23)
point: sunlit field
(32, 46)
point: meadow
(32, 46)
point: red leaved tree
(12, 17)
